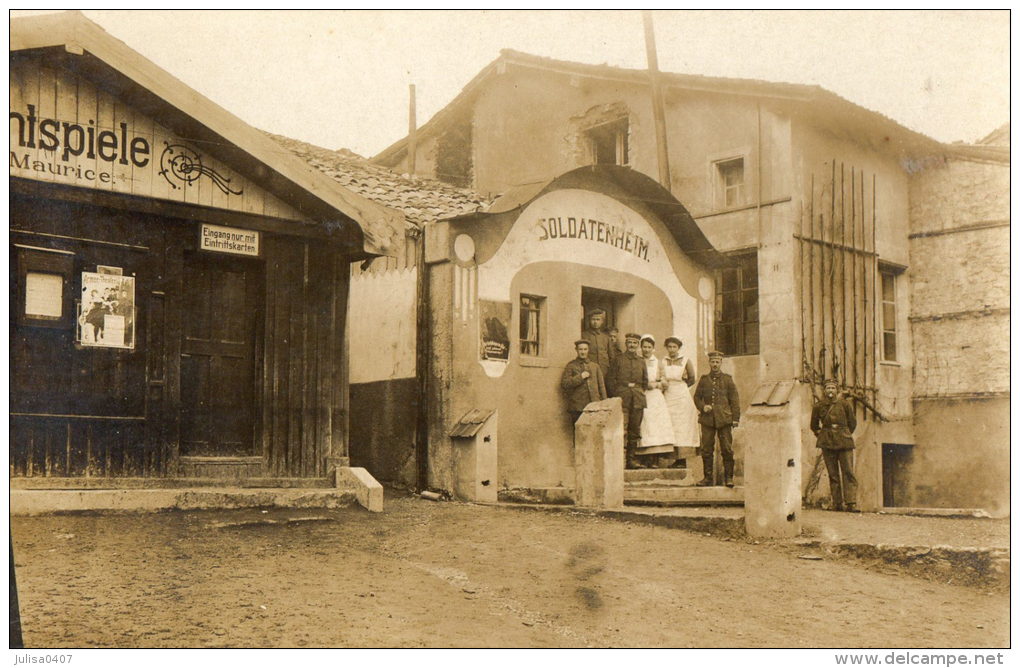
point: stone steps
(636, 494)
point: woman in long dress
(677, 370)
(656, 428)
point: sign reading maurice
(229, 240)
(64, 129)
(595, 231)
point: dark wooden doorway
(221, 300)
(896, 461)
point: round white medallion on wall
(464, 247)
(705, 287)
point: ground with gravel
(457, 575)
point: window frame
(539, 342)
(36, 260)
(621, 143)
(893, 274)
(722, 189)
(739, 261)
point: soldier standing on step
(718, 412)
(628, 379)
(833, 421)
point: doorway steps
(673, 487)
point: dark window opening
(736, 306)
(454, 155)
(609, 143)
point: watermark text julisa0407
(41, 658)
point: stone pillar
(772, 470)
(599, 455)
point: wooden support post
(658, 106)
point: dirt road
(453, 575)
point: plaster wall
(662, 293)
(962, 455)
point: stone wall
(959, 276)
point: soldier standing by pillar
(582, 380)
(719, 411)
(833, 422)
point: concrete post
(599, 455)
(772, 471)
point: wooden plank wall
(303, 403)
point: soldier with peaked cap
(833, 422)
(602, 351)
(718, 412)
(628, 379)
(582, 380)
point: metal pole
(832, 271)
(842, 266)
(853, 265)
(658, 106)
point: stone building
(959, 248)
(816, 202)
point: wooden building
(179, 284)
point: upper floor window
(736, 306)
(729, 176)
(888, 315)
(609, 143)
(532, 309)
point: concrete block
(599, 455)
(366, 489)
(772, 470)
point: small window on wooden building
(888, 314)
(736, 306)
(532, 316)
(609, 143)
(45, 293)
(729, 182)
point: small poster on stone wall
(495, 324)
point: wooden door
(218, 330)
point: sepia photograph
(497, 329)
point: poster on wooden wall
(106, 311)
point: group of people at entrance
(660, 414)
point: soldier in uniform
(582, 381)
(602, 350)
(628, 379)
(718, 412)
(833, 422)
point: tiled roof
(420, 199)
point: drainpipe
(423, 357)
(758, 160)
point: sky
(339, 79)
